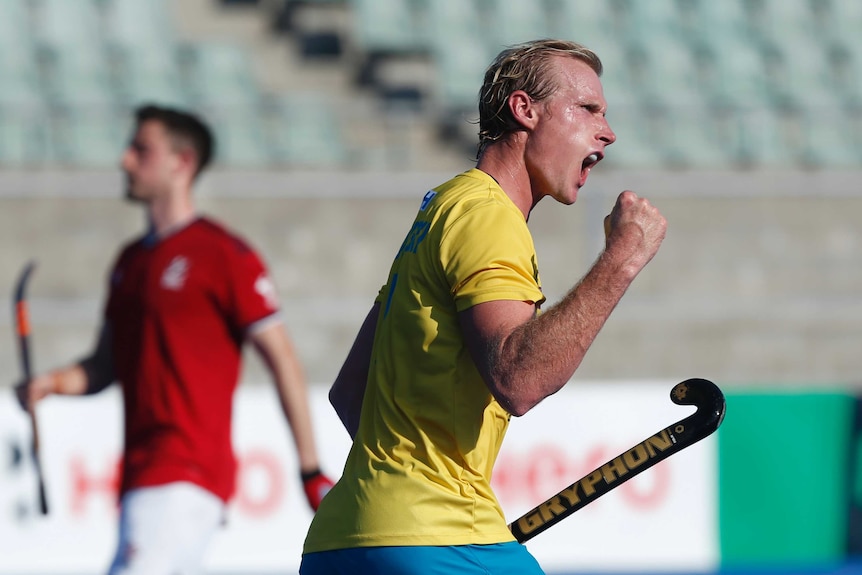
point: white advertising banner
(666, 518)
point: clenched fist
(634, 230)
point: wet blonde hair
(527, 67)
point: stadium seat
(664, 72)
(590, 23)
(155, 77)
(721, 18)
(657, 18)
(139, 24)
(461, 55)
(748, 75)
(633, 147)
(733, 73)
(142, 44)
(24, 134)
(19, 68)
(596, 26)
(87, 136)
(797, 74)
(240, 137)
(69, 42)
(219, 74)
(305, 131)
(832, 141)
(691, 137)
(14, 30)
(766, 138)
(63, 24)
(845, 21)
(387, 31)
(515, 22)
(388, 26)
(845, 76)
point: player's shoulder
(474, 193)
(471, 188)
(131, 246)
(223, 236)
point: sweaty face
(149, 162)
(571, 134)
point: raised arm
(525, 357)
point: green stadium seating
(461, 54)
(151, 76)
(515, 22)
(836, 143)
(68, 42)
(88, 136)
(724, 82)
(136, 24)
(388, 26)
(240, 137)
(305, 131)
(219, 73)
(24, 134)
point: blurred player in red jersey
(183, 299)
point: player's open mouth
(588, 164)
(591, 160)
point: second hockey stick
(22, 329)
(701, 393)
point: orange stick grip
(23, 319)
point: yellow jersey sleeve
(487, 254)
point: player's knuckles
(626, 199)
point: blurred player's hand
(316, 486)
(29, 392)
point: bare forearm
(540, 356)
(276, 350)
(295, 405)
(531, 359)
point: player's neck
(504, 162)
(170, 213)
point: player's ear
(523, 109)
(188, 160)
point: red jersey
(179, 309)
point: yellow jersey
(419, 470)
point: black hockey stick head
(23, 279)
(710, 404)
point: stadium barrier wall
(776, 490)
(649, 522)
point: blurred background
(740, 119)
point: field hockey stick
(22, 328)
(701, 393)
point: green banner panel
(783, 468)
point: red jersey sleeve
(253, 294)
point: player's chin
(133, 196)
(565, 193)
(568, 197)
(572, 193)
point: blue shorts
(497, 559)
